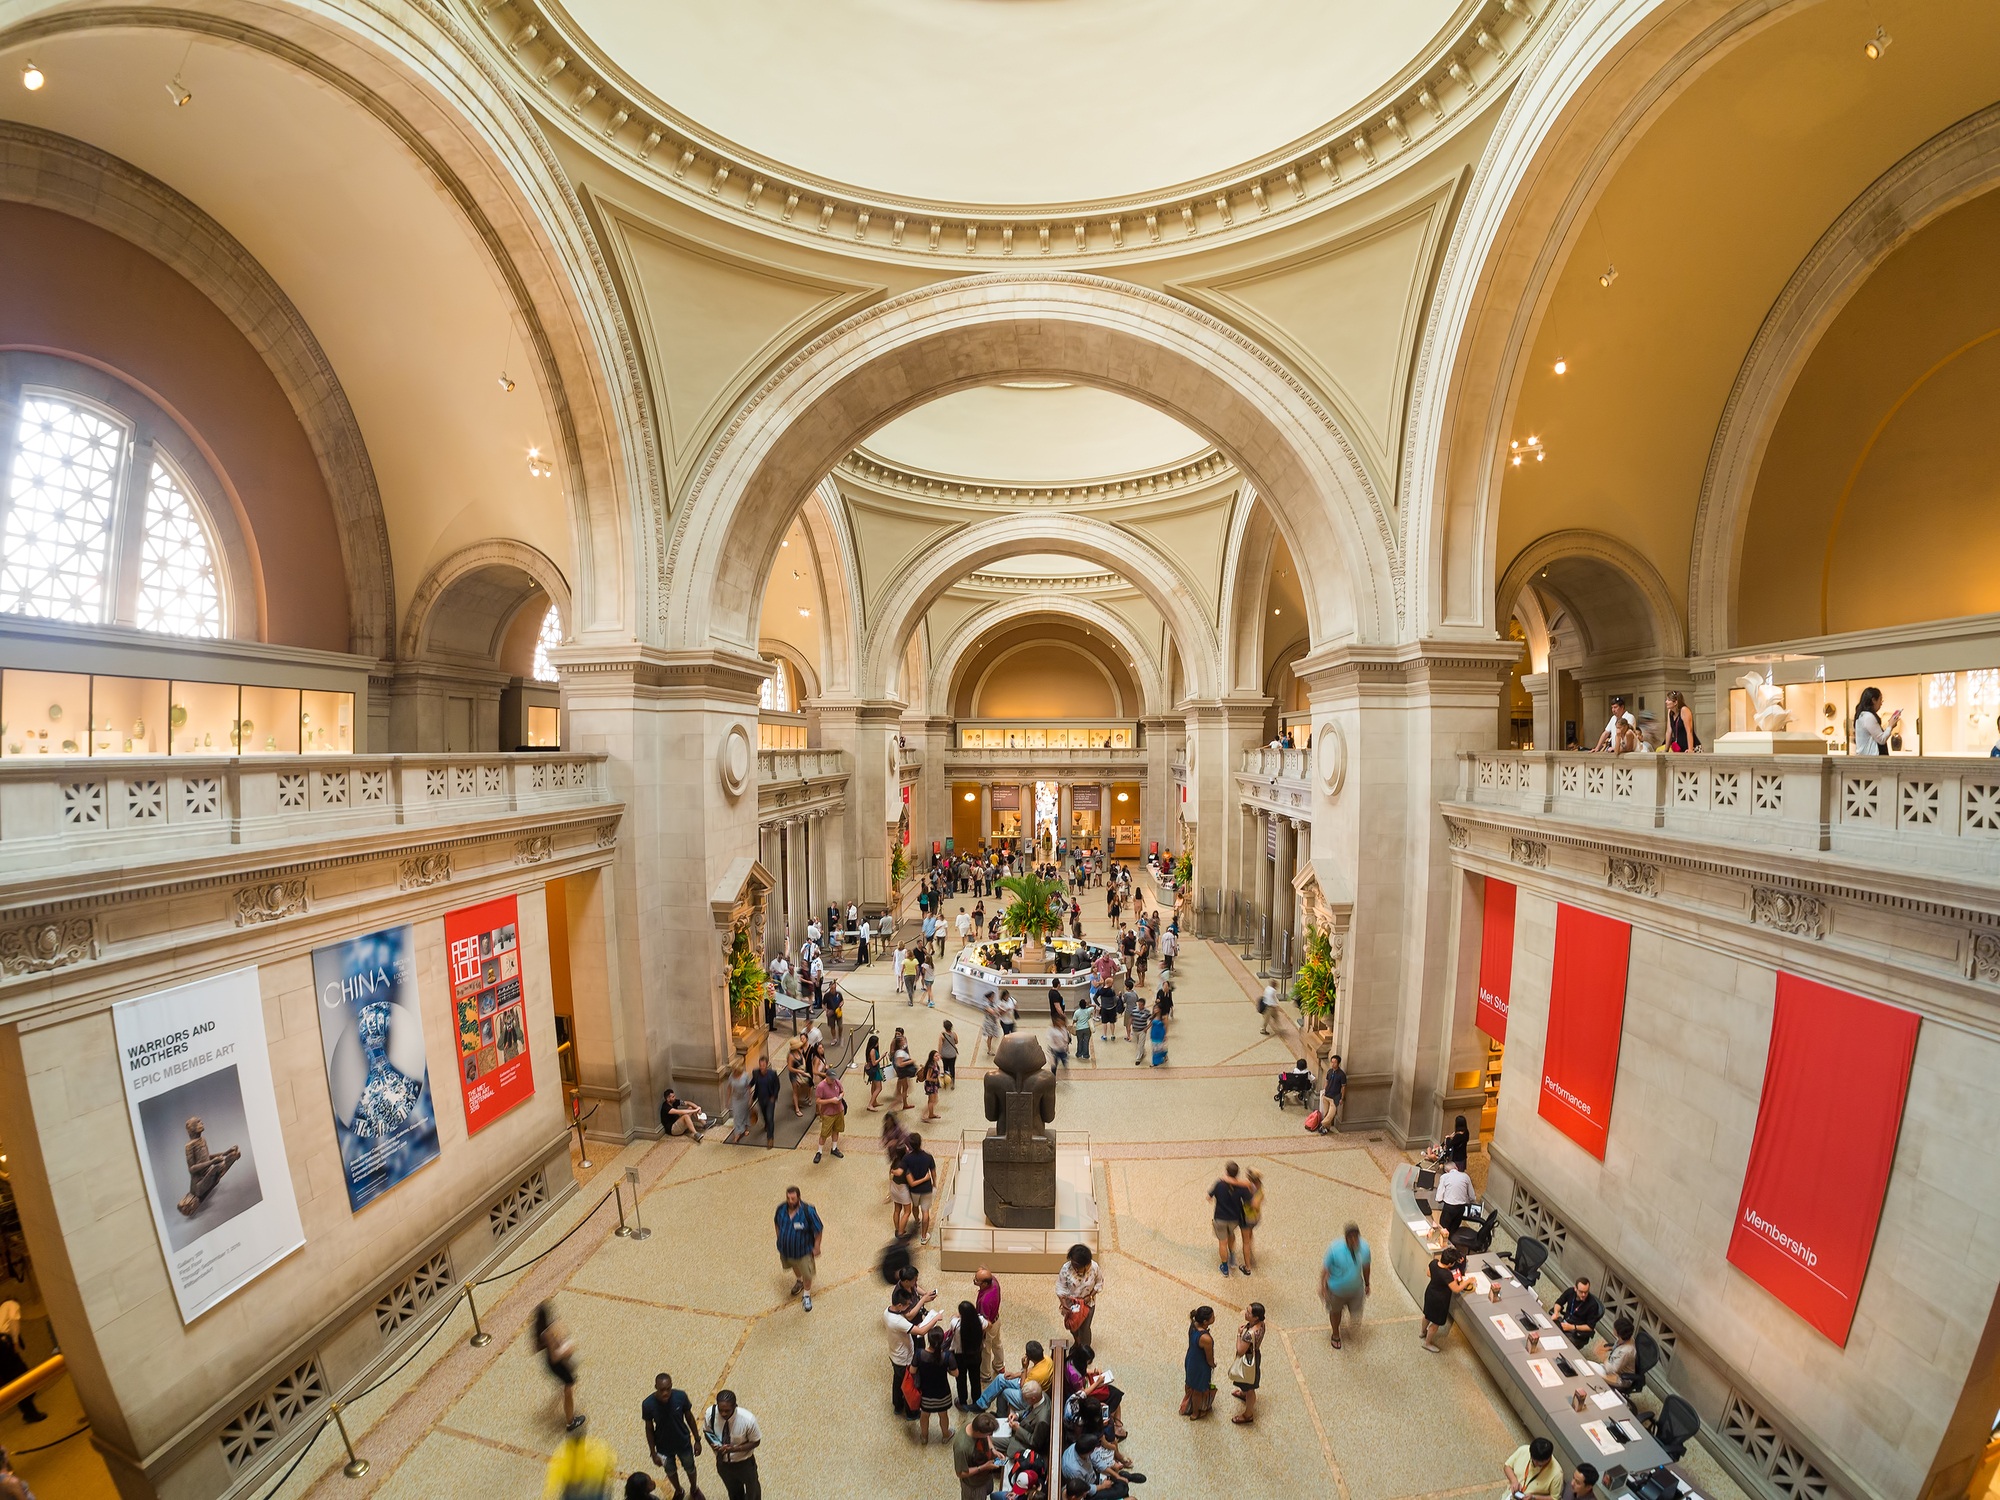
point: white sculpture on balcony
(1767, 703)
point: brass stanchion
(480, 1337)
(622, 1231)
(639, 1230)
(356, 1465)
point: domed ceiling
(1033, 434)
(1013, 101)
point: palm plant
(1036, 910)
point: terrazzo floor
(705, 1299)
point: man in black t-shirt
(671, 1434)
(920, 1173)
(1578, 1312)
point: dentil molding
(554, 62)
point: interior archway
(954, 653)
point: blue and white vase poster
(372, 1032)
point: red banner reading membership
(1586, 1020)
(1496, 958)
(483, 950)
(1819, 1162)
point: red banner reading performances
(483, 949)
(1834, 1083)
(1586, 1020)
(1496, 958)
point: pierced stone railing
(154, 807)
(1284, 765)
(1933, 813)
(1132, 755)
(799, 765)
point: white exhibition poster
(205, 1119)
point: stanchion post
(480, 1337)
(622, 1231)
(639, 1230)
(356, 1465)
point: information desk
(972, 981)
(1498, 1333)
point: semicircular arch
(1662, 619)
(947, 662)
(495, 558)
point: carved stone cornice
(423, 870)
(1207, 469)
(269, 901)
(537, 849)
(37, 947)
(1632, 875)
(1529, 853)
(577, 85)
(1788, 911)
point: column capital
(873, 713)
(1352, 666)
(630, 666)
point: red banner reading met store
(1586, 1021)
(1827, 1121)
(1496, 958)
(490, 1019)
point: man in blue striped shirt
(799, 1235)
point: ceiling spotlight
(1608, 275)
(179, 92)
(540, 465)
(1562, 365)
(1873, 48)
(803, 611)
(32, 77)
(1518, 450)
(1277, 611)
(506, 381)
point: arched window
(775, 692)
(545, 670)
(101, 529)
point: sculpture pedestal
(966, 1241)
(1762, 742)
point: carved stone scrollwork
(1788, 911)
(37, 947)
(1527, 852)
(424, 870)
(535, 850)
(1632, 875)
(1455, 833)
(1986, 957)
(271, 901)
(607, 835)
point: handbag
(912, 1395)
(1242, 1370)
(1074, 1314)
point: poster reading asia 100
(483, 957)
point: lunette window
(101, 530)
(544, 669)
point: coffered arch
(956, 650)
(823, 403)
(903, 605)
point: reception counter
(972, 981)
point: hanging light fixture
(1562, 365)
(1519, 450)
(32, 77)
(506, 382)
(1876, 45)
(539, 464)
(1608, 275)
(179, 92)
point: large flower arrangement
(747, 980)
(1313, 987)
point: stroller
(1295, 1086)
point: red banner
(1827, 1121)
(1586, 1020)
(1496, 958)
(483, 949)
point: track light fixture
(1518, 450)
(506, 382)
(179, 93)
(1876, 45)
(32, 77)
(1608, 275)
(539, 464)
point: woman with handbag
(1078, 1281)
(1198, 1366)
(1246, 1371)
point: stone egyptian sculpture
(1767, 703)
(1020, 1156)
(205, 1168)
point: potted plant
(747, 982)
(1037, 910)
(1184, 870)
(1314, 986)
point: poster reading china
(1586, 1022)
(483, 953)
(205, 1120)
(1819, 1162)
(371, 1033)
(1496, 959)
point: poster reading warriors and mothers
(198, 1082)
(483, 954)
(372, 1033)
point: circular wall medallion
(734, 759)
(1330, 746)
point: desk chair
(1645, 1354)
(1675, 1425)
(1529, 1256)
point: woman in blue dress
(1163, 1012)
(1199, 1366)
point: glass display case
(1826, 707)
(270, 721)
(128, 716)
(545, 729)
(202, 718)
(44, 713)
(326, 723)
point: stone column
(866, 729)
(1263, 920)
(799, 897)
(1284, 900)
(986, 813)
(1104, 818)
(1062, 810)
(1541, 689)
(936, 784)
(821, 892)
(1156, 786)
(1218, 730)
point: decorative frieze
(1455, 833)
(424, 870)
(1985, 956)
(1529, 853)
(1788, 911)
(269, 901)
(1632, 875)
(607, 835)
(37, 947)
(534, 851)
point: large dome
(1010, 102)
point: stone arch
(1603, 554)
(422, 75)
(1957, 164)
(829, 396)
(771, 648)
(479, 588)
(1119, 707)
(902, 605)
(837, 566)
(956, 647)
(1246, 575)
